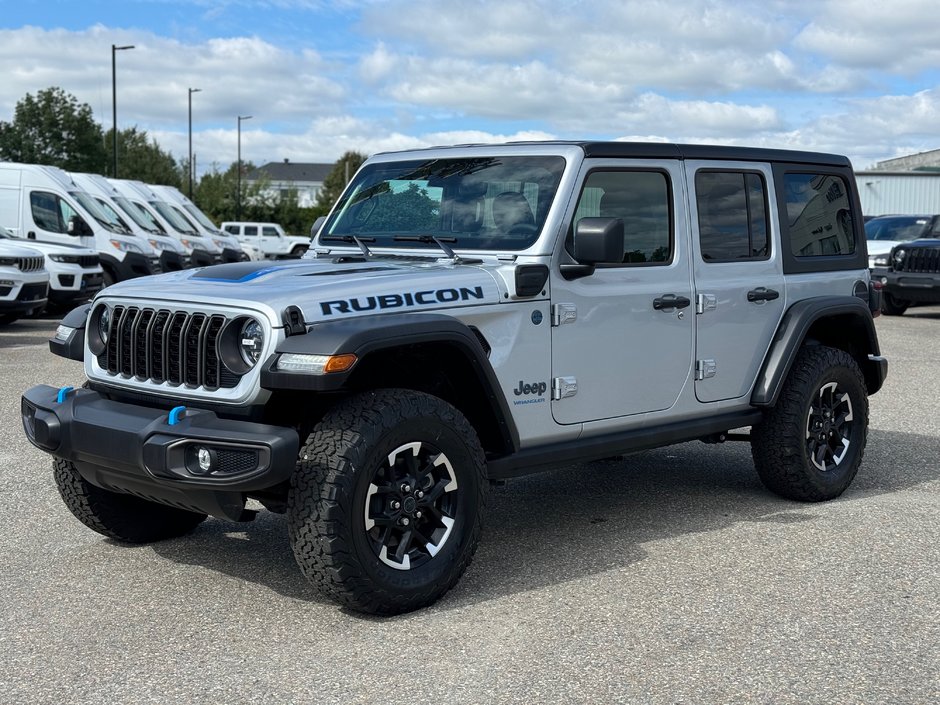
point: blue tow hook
(176, 413)
(63, 393)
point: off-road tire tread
(319, 528)
(121, 517)
(777, 442)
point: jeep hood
(322, 289)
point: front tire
(810, 444)
(892, 306)
(386, 503)
(122, 517)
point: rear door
(739, 285)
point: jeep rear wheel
(386, 503)
(893, 306)
(810, 445)
(122, 517)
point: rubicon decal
(429, 297)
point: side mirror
(77, 227)
(317, 224)
(598, 240)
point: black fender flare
(793, 331)
(364, 335)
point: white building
(306, 178)
(899, 192)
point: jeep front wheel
(893, 306)
(810, 445)
(122, 517)
(386, 502)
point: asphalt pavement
(668, 576)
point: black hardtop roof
(667, 150)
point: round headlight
(899, 256)
(104, 324)
(251, 341)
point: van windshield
(173, 217)
(139, 215)
(479, 203)
(201, 218)
(91, 205)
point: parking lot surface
(668, 576)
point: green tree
(339, 176)
(411, 209)
(140, 157)
(53, 128)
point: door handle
(762, 294)
(667, 302)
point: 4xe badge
(535, 392)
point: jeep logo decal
(534, 388)
(409, 298)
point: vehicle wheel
(298, 251)
(892, 306)
(120, 516)
(8, 318)
(810, 444)
(386, 503)
(108, 278)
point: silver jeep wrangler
(469, 314)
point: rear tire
(810, 444)
(892, 306)
(122, 517)
(386, 504)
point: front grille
(167, 346)
(30, 264)
(919, 259)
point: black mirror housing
(77, 227)
(598, 240)
(317, 224)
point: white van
(174, 255)
(42, 203)
(75, 273)
(175, 197)
(270, 238)
(204, 251)
(24, 282)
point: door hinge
(564, 313)
(705, 302)
(705, 369)
(564, 387)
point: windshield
(899, 228)
(479, 203)
(112, 214)
(173, 217)
(201, 218)
(139, 215)
(92, 206)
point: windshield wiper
(439, 241)
(360, 241)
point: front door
(622, 336)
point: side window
(46, 212)
(732, 216)
(232, 229)
(819, 215)
(251, 230)
(268, 231)
(641, 199)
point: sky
(318, 78)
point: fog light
(204, 457)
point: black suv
(912, 276)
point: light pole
(191, 91)
(238, 196)
(114, 50)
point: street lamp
(114, 50)
(238, 196)
(191, 91)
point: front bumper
(919, 287)
(153, 453)
(29, 298)
(75, 288)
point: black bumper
(230, 255)
(173, 261)
(149, 453)
(91, 285)
(203, 258)
(918, 287)
(32, 298)
(133, 265)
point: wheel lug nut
(396, 504)
(419, 494)
(418, 514)
(405, 521)
(406, 488)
